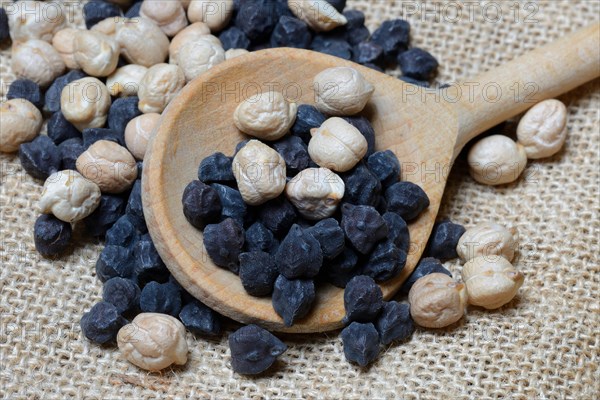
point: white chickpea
(543, 129)
(142, 42)
(215, 13)
(191, 33)
(315, 192)
(487, 239)
(169, 15)
(185, 4)
(496, 160)
(267, 116)
(85, 103)
(233, 53)
(153, 341)
(30, 20)
(259, 172)
(436, 300)
(37, 60)
(109, 26)
(160, 84)
(21, 122)
(69, 196)
(197, 57)
(109, 165)
(138, 132)
(318, 14)
(64, 42)
(341, 91)
(337, 145)
(96, 53)
(491, 282)
(125, 81)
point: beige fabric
(543, 345)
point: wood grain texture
(418, 125)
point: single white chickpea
(29, 20)
(138, 133)
(491, 281)
(64, 42)
(169, 15)
(197, 57)
(21, 122)
(267, 115)
(543, 129)
(315, 192)
(259, 172)
(487, 239)
(153, 341)
(436, 300)
(125, 81)
(233, 53)
(109, 165)
(85, 103)
(337, 145)
(69, 196)
(160, 84)
(318, 14)
(191, 33)
(37, 60)
(215, 13)
(341, 91)
(142, 42)
(496, 160)
(96, 53)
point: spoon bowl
(424, 129)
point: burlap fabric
(544, 344)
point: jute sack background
(544, 344)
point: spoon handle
(512, 88)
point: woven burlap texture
(544, 344)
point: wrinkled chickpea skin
(109, 165)
(496, 160)
(29, 20)
(85, 103)
(315, 192)
(169, 15)
(37, 60)
(267, 115)
(491, 283)
(318, 14)
(20, 121)
(259, 172)
(153, 341)
(436, 301)
(487, 239)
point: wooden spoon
(425, 128)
